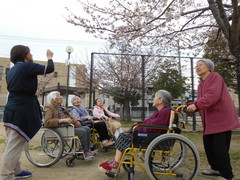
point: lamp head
(69, 49)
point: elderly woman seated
(56, 114)
(87, 120)
(161, 117)
(105, 115)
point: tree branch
(217, 16)
(161, 13)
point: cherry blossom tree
(158, 23)
(43, 81)
(120, 76)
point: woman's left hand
(191, 108)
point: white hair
(166, 96)
(52, 96)
(73, 99)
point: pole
(43, 95)
(68, 66)
(180, 69)
(192, 78)
(143, 88)
(91, 81)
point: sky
(41, 26)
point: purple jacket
(216, 106)
(159, 118)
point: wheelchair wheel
(173, 155)
(126, 167)
(70, 161)
(45, 149)
(129, 169)
(131, 175)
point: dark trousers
(102, 130)
(217, 150)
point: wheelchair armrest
(65, 125)
(150, 126)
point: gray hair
(52, 96)
(166, 96)
(73, 99)
(209, 63)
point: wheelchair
(160, 155)
(49, 145)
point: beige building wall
(59, 76)
(4, 65)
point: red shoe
(108, 166)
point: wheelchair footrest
(111, 174)
(89, 158)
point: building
(4, 67)
(56, 81)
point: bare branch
(194, 11)
(216, 13)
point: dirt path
(82, 170)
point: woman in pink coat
(104, 114)
(219, 118)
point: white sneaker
(210, 172)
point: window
(1, 72)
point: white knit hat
(209, 63)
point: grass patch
(127, 123)
(235, 155)
(193, 136)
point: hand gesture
(191, 108)
(49, 54)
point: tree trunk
(126, 107)
(235, 50)
(238, 82)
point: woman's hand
(191, 108)
(78, 124)
(49, 54)
(102, 119)
(90, 119)
(66, 120)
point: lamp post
(69, 50)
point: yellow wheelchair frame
(167, 154)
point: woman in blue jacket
(22, 114)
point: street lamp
(69, 50)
